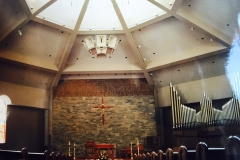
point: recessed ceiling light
(211, 39)
(144, 59)
(139, 46)
(151, 74)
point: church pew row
(25, 155)
(202, 152)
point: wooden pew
(232, 145)
(160, 155)
(25, 155)
(148, 156)
(52, 156)
(182, 153)
(14, 155)
(58, 156)
(38, 156)
(205, 153)
(154, 156)
(143, 156)
(202, 152)
(169, 154)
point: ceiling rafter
(187, 60)
(69, 45)
(25, 7)
(51, 24)
(176, 5)
(131, 42)
(17, 26)
(103, 72)
(196, 23)
(152, 21)
(100, 32)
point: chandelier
(101, 45)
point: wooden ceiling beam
(131, 41)
(69, 45)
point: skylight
(99, 15)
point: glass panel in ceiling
(34, 5)
(100, 15)
(63, 12)
(166, 3)
(136, 12)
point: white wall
(23, 95)
(215, 87)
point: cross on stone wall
(102, 107)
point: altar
(99, 148)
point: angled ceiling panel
(39, 45)
(171, 41)
(191, 71)
(222, 15)
(25, 76)
(10, 12)
(121, 59)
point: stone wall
(74, 119)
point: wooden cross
(102, 107)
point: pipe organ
(231, 111)
(183, 117)
(207, 111)
(186, 118)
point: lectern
(89, 146)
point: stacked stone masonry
(75, 119)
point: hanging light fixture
(101, 45)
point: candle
(74, 152)
(69, 149)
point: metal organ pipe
(182, 116)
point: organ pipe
(185, 117)
(172, 102)
(182, 116)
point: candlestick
(131, 152)
(74, 152)
(69, 148)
